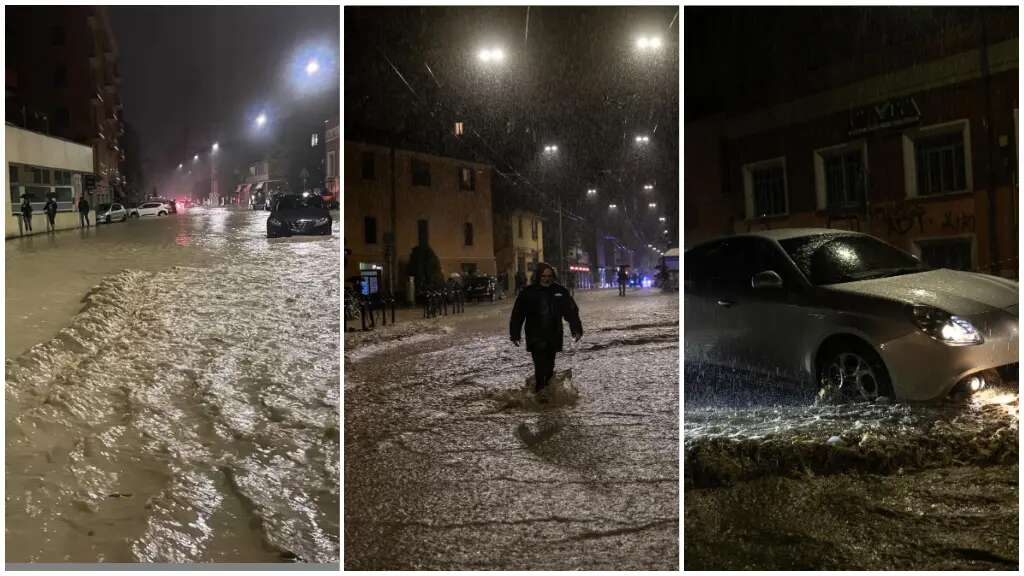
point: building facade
(63, 80)
(395, 200)
(518, 243)
(40, 167)
(332, 162)
(919, 153)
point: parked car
(298, 214)
(480, 288)
(172, 206)
(150, 208)
(107, 213)
(847, 313)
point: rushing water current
(189, 411)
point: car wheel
(851, 370)
(107, 219)
(161, 213)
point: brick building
(62, 79)
(914, 143)
(396, 199)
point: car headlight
(273, 221)
(322, 221)
(945, 327)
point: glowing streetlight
(648, 187)
(661, 219)
(645, 43)
(612, 206)
(591, 192)
(261, 120)
(491, 55)
(215, 147)
(652, 205)
(550, 149)
(180, 166)
(642, 139)
(312, 67)
(195, 158)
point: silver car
(846, 312)
(107, 213)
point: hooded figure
(543, 305)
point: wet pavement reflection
(172, 393)
(449, 464)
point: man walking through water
(543, 305)
(623, 278)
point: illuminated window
(459, 130)
(314, 140)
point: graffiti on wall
(957, 222)
(906, 218)
(902, 218)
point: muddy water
(861, 486)
(189, 411)
(449, 464)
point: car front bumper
(922, 368)
(299, 229)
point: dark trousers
(28, 221)
(543, 367)
(50, 220)
(83, 219)
(622, 288)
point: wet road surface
(449, 465)
(786, 485)
(181, 404)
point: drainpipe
(990, 182)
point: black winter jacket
(543, 310)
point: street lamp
(551, 149)
(652, 205)
(195, 158)
(488, 55)
(591, 192)
(648, 187)
(261, 120)
(612, 206)
(215, 147)
(661, 219)
(645, 43)
(642, 139)
(180, 165)
(312, 67)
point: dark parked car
(480, 288)
(295, 214)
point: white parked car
(107, 213)
(151, 209)
(846, 312)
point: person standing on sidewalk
(623, 278)
(26, 212)
(543, 305)
(51, 213)
(83, 212)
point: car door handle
(725, 303)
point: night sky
(193, 75)
(573, 76)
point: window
(940, 164)
(13, 174)
(953, 253)
(520, 226)
(330, 164)
(764, 186)
(844, 180)
(459, 129)
(370, 230)
(423, 232)
(468, 233)
(314, 139)
(61, 178)
(467, 179)
(533, 228)
(420, 173)
(937, 159)
(369, 166)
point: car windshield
(838, 258)
(103, 207)
(294, 202)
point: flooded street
(172, 393)
(858, 486)
(450, 465)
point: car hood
(961, 293)
(301, 213)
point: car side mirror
(766, 279)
